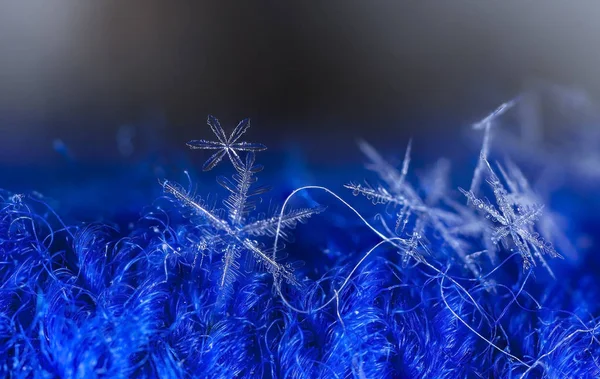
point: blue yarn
(96, 300)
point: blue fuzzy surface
(137, 297)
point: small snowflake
(225, 145)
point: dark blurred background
(78, 77)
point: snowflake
(235, 236)
(551, 225)
(514, 220)
(225, 145)
(406, 202)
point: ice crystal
(235, 235)
(545, 112)
(408, 204)
(226, 145)
(513, 221)
(486, 125)
(489, 119)
(550, 224)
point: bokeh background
(125, 84)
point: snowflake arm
(503, 108)
(486, 125)
(413, 245)
(396, 182)
(530, 216)
(278, 271)
(186, 200)
(216, 128)
(409, 247)
(268, 226)
(387, 173)
(231, 266)
(406, 161)
(482, 205)
(214, 160)
(205, 145)
(241, 190)
(239, 130)
(247, 146)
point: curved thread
(384, 240)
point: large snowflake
(235, 236)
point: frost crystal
(409, 205)
(235, 236)
(225, 145)
(486, 125)
(513, 220)
(550, 224)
